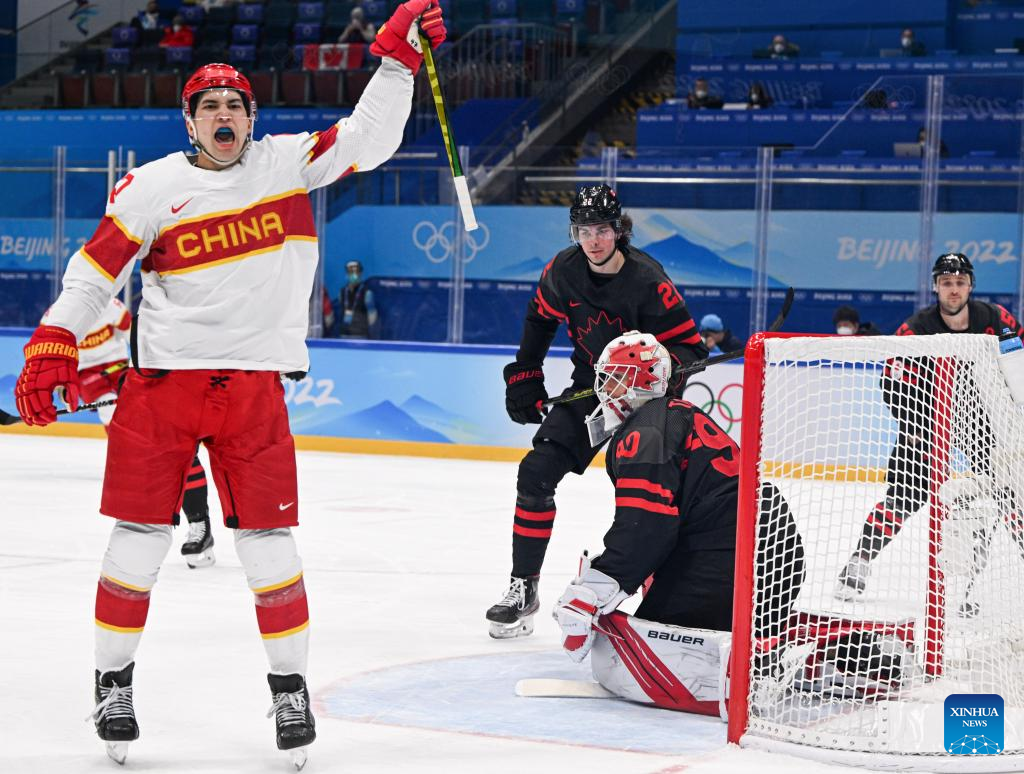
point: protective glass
(603, 231)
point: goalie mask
(632, 370)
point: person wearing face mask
(227, 241)
(358, 308)
(909, 46)
(847, 322)
(599, 287)
(148, 19)
(758, 98)
(783, 49)
(178, 34)
(702, 98)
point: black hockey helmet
(595, 204)
(952, 263)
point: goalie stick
(689, 368)
(547, 688)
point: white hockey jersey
(229, 256)
(107, 342)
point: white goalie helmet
(633, 369)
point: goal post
(900, 459)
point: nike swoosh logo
(285, 507)
(575, 303)
(175, 210)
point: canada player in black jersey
(906, 387)
(599, 288)
(675, 473)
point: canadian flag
(333, 56)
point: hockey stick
(13, 419)
(545, 688)
(458, 177)
(689, 368)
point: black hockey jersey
(676, 476)
(640, 297)
(982, 317)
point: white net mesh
(900, 459)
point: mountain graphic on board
(434, 417)
(529, 269)
(386, 421)
(688, 263)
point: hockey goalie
(675, 473)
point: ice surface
(402, 557)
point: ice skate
(853, 579)
(198, 546)
(296, 728)
(114, 714)
(513, 615)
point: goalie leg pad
(673, 667)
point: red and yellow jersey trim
(111, 247)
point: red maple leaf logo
(597, 334)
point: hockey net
(861, 676)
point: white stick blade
(465, 203)
(540, 687)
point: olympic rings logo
(715, 406)
(438, 244)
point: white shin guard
(273, 571)
(130, 568)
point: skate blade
(118, 752)
(846, 593)
(203, 559)
(298, 757)
(521, 628)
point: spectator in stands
(783, 49)
(358, 308)
(909, 45)
(208, 4)
(922, 136)
(359, 30)
(700, 98)
(328, 315)
(847, 322)
(148, 19)
(757, 97)
(717, 338)
(178, 34)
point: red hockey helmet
(217, 76)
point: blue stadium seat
(192, 14)
(298, 54)
(502, 9)
(178, 56)
(124, 37)
(311, 12)
(243, 55)
(306, 33)
(570, 9)
(376, 10)
(249, 13)
(245, 34)
(117, 58)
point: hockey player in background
(599, 288)
(907, 387)
(675, 473)
(101, 368)
(229, 251)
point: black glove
(524, 392)
(295, 376)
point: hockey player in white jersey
(102, 360)
(228, 252)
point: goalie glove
(590, 595)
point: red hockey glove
(51, 361)
(399, 36)
(524, 392)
